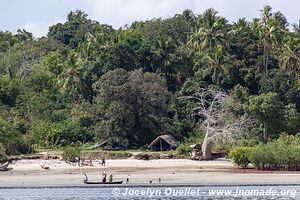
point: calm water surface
(159, 193)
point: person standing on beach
(78, 161)
(91, 161)
(103, 161)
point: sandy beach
(171, 171)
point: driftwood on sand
(44, 166)
(4, 166)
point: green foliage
(9, 90)
(86, 82)
(281, 154)
(73, 31)
(239, 156)
(184, 150)
(117, 143)
(56, 134)
(132, 52)
(3, 156)
(130, 105)
(117, 154)
(71, 153)
(267, 109)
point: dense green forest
(86, 82)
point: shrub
(71, 153)
(256, 156)
(240, 156)
(282, 154)
(184, 150)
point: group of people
(104, 175)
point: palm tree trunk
(267, 59)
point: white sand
(171, 171)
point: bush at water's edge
(281, 154)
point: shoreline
(150, 185)
(28, 173)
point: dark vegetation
(86, 82)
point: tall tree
(73, 85)
(73, 31)
(268, 110)
(164, 52)
(130, 105)
(217, 61)
(269, 34)
(209, 31)
(209, 103)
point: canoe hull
(101, 183)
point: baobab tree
(209, 106)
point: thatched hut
(163, 143)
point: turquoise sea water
(153, 192)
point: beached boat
(104, 183)
(100, 182)
(3, 166)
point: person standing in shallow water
(111, 178)
(104, 177)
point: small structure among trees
(163, 143)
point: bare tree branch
(209, 105)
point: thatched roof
(167, 138)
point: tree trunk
(264, 56)
(206, 146)
(267, 59)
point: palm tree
(94, 42)
(217, 61)
(209, 31)
(239, 26)
(269, 34)
(289, 58)
(72, 83)
(164, 52)
(121, 34)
